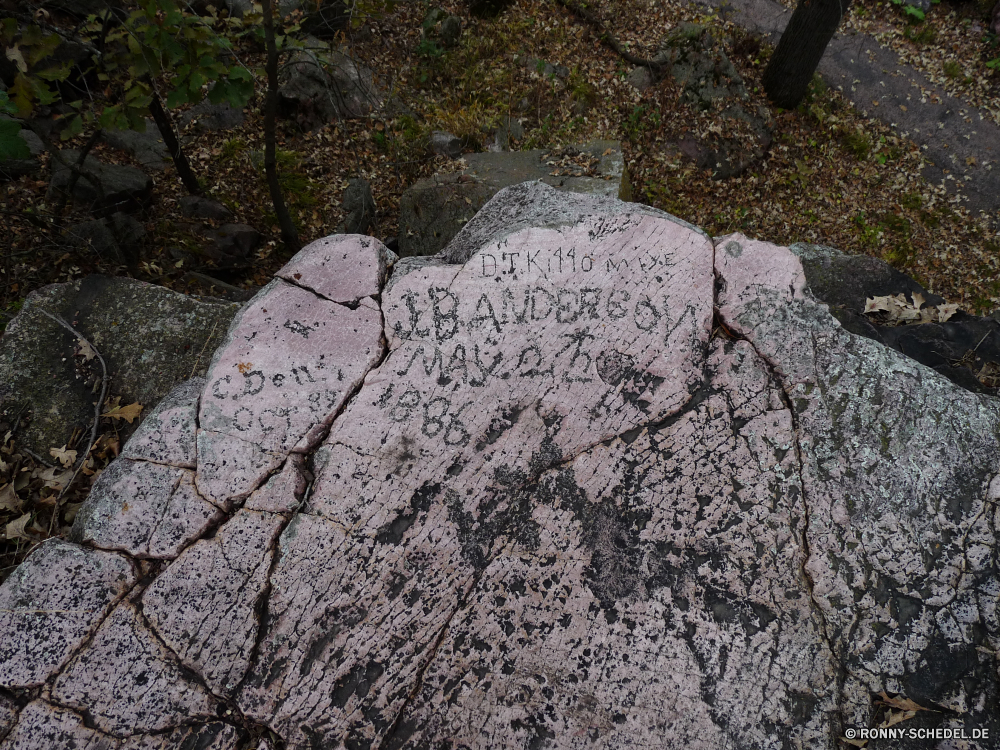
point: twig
(38, 458)
(203, 347)
(97, 413)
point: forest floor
(832, 175)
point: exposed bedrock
(588, 479)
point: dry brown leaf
(128, 413)
(897, 717)
(16, 529)
(85, 350)
(66, 457)
(9, 499)
(71, 509)
(52, 477)
(903, 704)
(918, 299)
(855, 743)
(945, 312)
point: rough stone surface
(199, 207)
(231, 245)
(148, 693)
(204, 605)
(290, 361)
(207, 116)
(359, 207)
(446, 144)
(435, 209)
(144, 509)
(341, 268)
(147, 147)
(118, 238)
(122, 188)
(167, 434)
(322, 85)
(43, 726)
(151, 339)
(51, 604)
(611, 483)
(8, 715)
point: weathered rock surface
(118, 238)
(51, 604)
(147, 147)
(606, 482)
(150, 337)
(112, 187)
(435, 209)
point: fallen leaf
(16, 529)
(898, 717)
(903, 704)
(71, 510)
(9, 499)
(945, 312)
(918, 299)
(85, 350)
(15, 56)
(66, 457)
(855, 743)
(52, 477)
(128, 413)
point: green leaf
(45, 47)
(12, 145)
(55, 72)
(7, 107)
(73, 128)
(177, 97)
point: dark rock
(433, 210)
(121, 188)
(488, 8)
(147, 147)
(118, 238)
(327, 21)
(321, 85)
(995, 19)
(206, 116)
(232, 245)
(959, 348)
(450, 32)
(151, 338)
(199, 207)
(510, 130)
(359, 207)
(446, 144)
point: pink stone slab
(51, 604)
(8, 715)
(214, 736)
(229, 468)
(147, 510)
(203, 605)
(538, 347)
(341, 267)
(350, 624)
(167, 434)
(283, 492)
(614, 616)
(43, 726)
(290, 362)
(129, 683)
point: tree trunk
(800, 48)
(166, 128)
(289, 235)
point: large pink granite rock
(588, 479)
(51, 604)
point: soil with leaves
(830, 176)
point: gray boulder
(146, 147)
(117, 238)
(359, 207)
(446, 144)
(117, 188)
(231, 245)
(151, 338)
(206, 116)
(434, 209)
(199, 207)
(321, 85)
